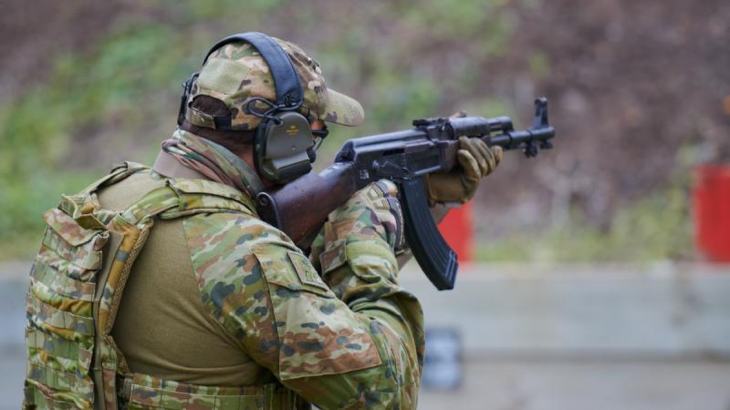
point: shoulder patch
(307, 274)
(288, 268)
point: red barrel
(711, 205)
(458, 230)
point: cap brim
(343, 110)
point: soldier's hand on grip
(476, 160)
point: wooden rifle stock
(300, 207)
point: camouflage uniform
(165, 290)
(339, 333)
(155, 291)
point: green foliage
(233, 11)
(124, 71)
(658, 227)
(539, 64)
(120, 88)
(446, 19)
(23, 201)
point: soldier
(160, 288)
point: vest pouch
(60, 326)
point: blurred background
(597, 277)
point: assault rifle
(300, 207)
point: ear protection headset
(284, 146)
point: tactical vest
(76, 286)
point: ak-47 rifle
(300, 207)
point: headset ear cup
(282, 147)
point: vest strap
(144, 390)
(117, 174)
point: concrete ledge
(559, 337)
(584, 310)
(519, 310)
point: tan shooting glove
(476, 160)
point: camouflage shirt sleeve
(354, 342)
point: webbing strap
(286, 81)
(150, 205)
(117, 174)
(180, 198)
(144, 390)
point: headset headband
(289, 92)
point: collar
(199, 158)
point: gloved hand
(476, 160)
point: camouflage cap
(236, 72)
